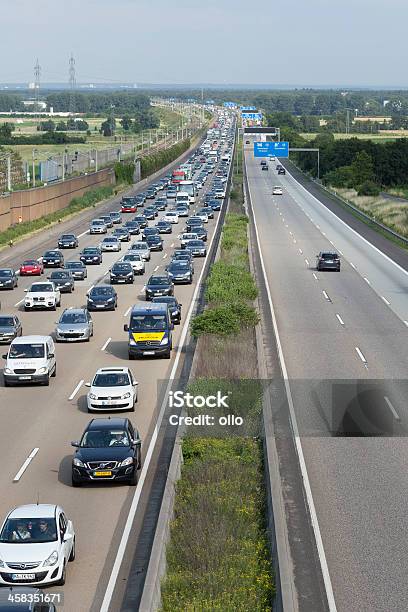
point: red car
(31, 267)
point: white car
(220, 193)
(110, 243)
(36, 543)
(171, 217)
(185, 237)
(42, 295)
(140, 248)
(136, 261)
(203, 216)
(112, 389)
(277, 190)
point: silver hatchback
(75, 324)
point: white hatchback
(171, 217)
(112, 389)
(277, 190)
(36, 543)
(136, 261)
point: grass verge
(218, 557)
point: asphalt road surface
(344, 341)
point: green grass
(382, 137)
(218, 558)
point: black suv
(327, 260)
(64, 280)
(159, 285)
(109, 450)
(121, 272)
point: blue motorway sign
(248, 108)
(275, 149)
(256, 116)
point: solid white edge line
(156, 268)
(325, 295)
(391, 407)
(360, 354)
(75, 391)
(340, 319)
(406, 323)
(25, 464)
(298, 444)
(164, 256)
(367, 281)
(348, 227)
(352, 265)
(384, 299)
(135, 502)
(106, 344)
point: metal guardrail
(355, 209)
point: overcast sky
(307, 42)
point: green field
(380, 137)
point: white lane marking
(360, 354)
(294, 241)
(340, 319)
(127, 312)
(18, 303)
(318, 226)
(291, 233)
(340, 252)
(314, 276)
(326, 296)
(297, 440)
(323, 233)
(135, 502)
(385, 300)
(331, 242)
(286, 225)
(25, 464)
(172, 245)
(391, 407)
(307, 262)
(156, 268)
(300, 251)
(83, 234)
(75, 391)
(367, 281)
(352, 265)
(406, 323)
(164, 256)
(106, 344)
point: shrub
(224, 320)
(124, 172)
(368, 188)
(151, 163)
(229, 283)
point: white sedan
(36, 543)
(112, 388)
(277, 190)
(136, 261)
(171, 217)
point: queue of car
(109, 448)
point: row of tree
(62, 126)
(141, 120)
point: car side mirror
(88, 384)
(126, 327)
(67, 537)
(135, 383)
(25, 290)
(51, 355)
(4, 356)
(75, 444)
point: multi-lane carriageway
(48, 418)
(341, 336)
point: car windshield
(6, 321)
(41, 287)
(179, 265)
(139, 247)
(111, 379)
(101, 291)
(60, 275)
(90, 251)
(164, 299)
(195, 243)
(6, 273)
(68, 237)
(99, 222)
(132, 258)
(73, 317)
(26, 351)
(122, 267)
(111, 239)
(104, 438)
(148, 322)
(51, 254)
(329, 256)
(29, 531)
(30, 262)
(74, 264)
(158, 280)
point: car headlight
(92, 396)
(7, 371)
(67, 284)
(127, 461)
(111, 299)
(1, 563)
(132, 342)
(78, 462)
(52, 559)
(42, 370)
(90, 300)
(127, 395)
(164, 341)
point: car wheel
(61, 581)
(54, 307)
(168, 354)
(72, 555)
(6, 383)
(133, 479)
(47, 381)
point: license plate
(148, 352)
(24, 377)
(23, 576)
(106, 402)
(121, 280)
(158, 293)
(100, 306)
(102, 473)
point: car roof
(34, 511)
(28, 339)
(79, 310)
(107, 423)
(122, 369)
(151, 308)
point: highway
(343, 338)
(48, 418)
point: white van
(183, 197)
(30, 359)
